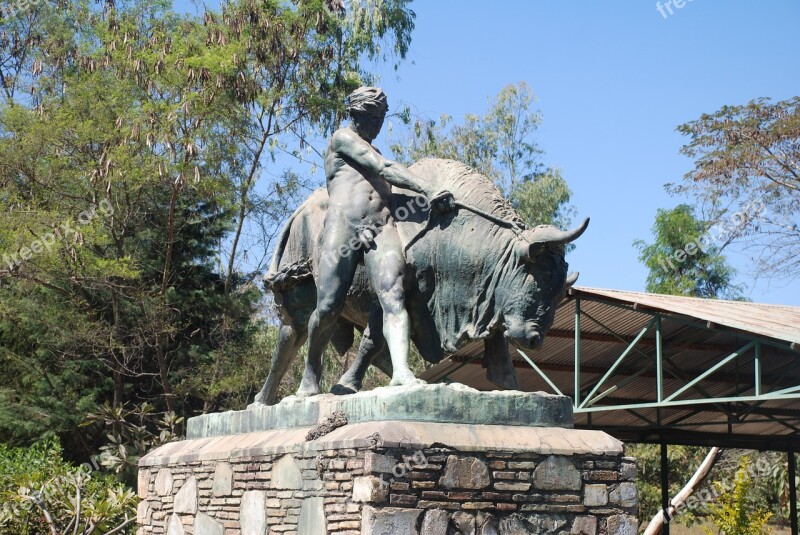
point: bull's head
(537, 282)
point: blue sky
(613, 79)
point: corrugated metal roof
(774, 321)
(697, 334)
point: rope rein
(513, 225)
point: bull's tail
(283, 239)
(294, 272)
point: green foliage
(131, 433)
(511, 124)
(140, 195)
(544, 200)
(746, 160)
(736, 197)
(734, 513)
(41, 493)
(772, 485)
(682, 261)
(501, 146)
(104, 167)
(769, 490)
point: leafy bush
(40, 493)
(735, 513)
(131, 433)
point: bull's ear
(572, 278)
(523, 250)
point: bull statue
(475, 272)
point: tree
(41, 493)
(747, 160)
(683, 259)
(510, 124)
(544, 200)
(112, 217)
(683, 461)
(294, 62)
(132, 142)
(501, 146)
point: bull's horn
(572, 279)
(547, 234)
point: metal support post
(577, 397)
(793, 490)
(664, 485)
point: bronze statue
(359, 227)
(436, 272)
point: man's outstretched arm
(349, 144)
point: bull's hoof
(342, 390)
(405, 379)
(307, 389)
(260, 399)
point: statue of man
(358, 224)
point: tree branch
(121, 526)
(679, 501)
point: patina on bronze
(359, 254)
(358, 227)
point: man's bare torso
(361, 195)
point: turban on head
(367, 100)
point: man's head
(367, 107)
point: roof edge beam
(691, 321)
(689, 402)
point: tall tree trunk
(119, 385)
(163, 370)
(161, 355)
(679, 501)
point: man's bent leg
(336, 269)
(372, 343)
(385, 265)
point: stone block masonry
(391, 478)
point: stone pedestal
(391, 462)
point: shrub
(734, 513)
(40, 493)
